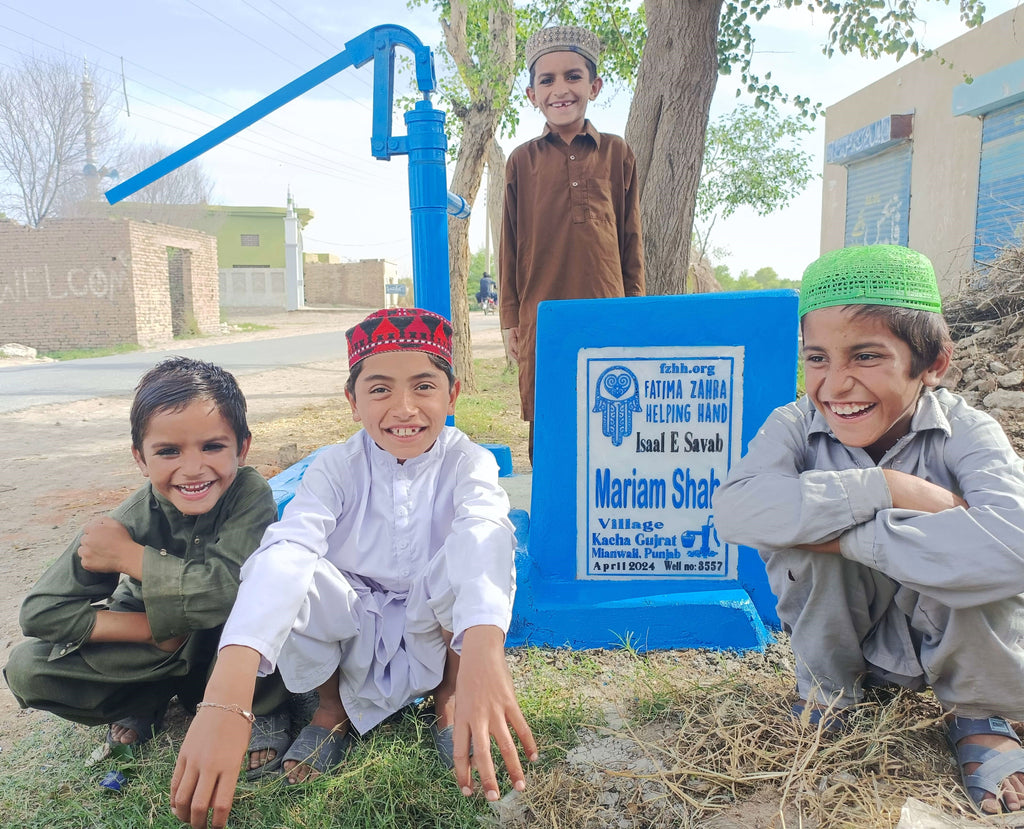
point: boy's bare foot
(122, 734)
(444, 694)
(133, 730)
(444, 706)
(258, 759)
(1012, 791)
(991, 762)
(269, 739)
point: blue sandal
(995, 766)
(831, 720)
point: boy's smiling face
(402, 399)
(857, 374)
(191, 456)
(561, 91)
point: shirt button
(63, 651)
(196, 540)
(163, 552)
(575, 183)
(572, 158)
(405, 572)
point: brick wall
(160, 316)
(360, 284)
(88, 283)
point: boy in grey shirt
(890, 516)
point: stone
(997, 367)
(1005, 399)
(1011, 380)
(18, 350)
(951, 379)
(288, 455)
(987, 385)
(1016, 353)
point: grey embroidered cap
(562, 39)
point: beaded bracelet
(238, 709)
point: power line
(277, 24)
(319, 170)
(233, 109)
(402, 240)
(364, 176)
(333, 47)
(264, 46)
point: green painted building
(250, 237)
(247, 237)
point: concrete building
(932, 155)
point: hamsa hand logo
(617, 396)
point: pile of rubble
(987, 323)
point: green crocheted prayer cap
(871, 275)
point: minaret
(90, 170)
(294, 291)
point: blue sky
(188, 65)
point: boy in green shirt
(129, 616)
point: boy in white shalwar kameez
(389, 577)
(890, 515)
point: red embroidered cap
(400, 329)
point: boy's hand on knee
(910, 492)
(485, 707)
(106, 547)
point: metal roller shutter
(1000, 183)
(878, 199)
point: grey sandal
(444, 743)
(270, 732)
(443, 739)
(319, 748)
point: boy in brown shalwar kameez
(571, 227)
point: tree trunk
(477, 133)
(495, 197)
(488, 98)
(495, 208)
(667, 121)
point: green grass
(491, 414)
(82, 353)
(391, 780)
(125, 348)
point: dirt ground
(65, 463)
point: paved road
(22, 387)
